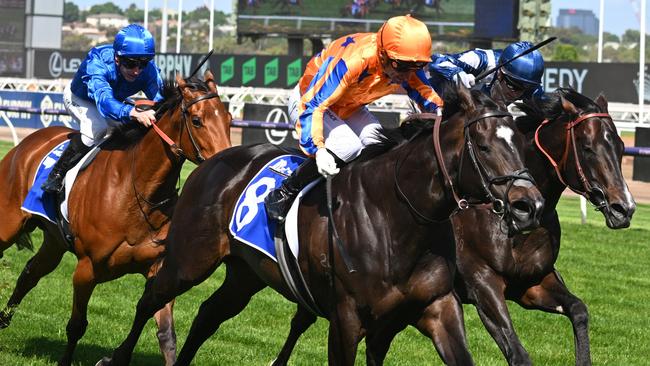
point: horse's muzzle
(618, 214)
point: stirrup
(277, 204)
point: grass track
(606, 268)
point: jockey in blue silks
(518, 80)
(95, 98)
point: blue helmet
(134, 41)
(528, 69)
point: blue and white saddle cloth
(37, 202)
(249, 223)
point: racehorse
(120, 205)
(577, 132)
(387, 203)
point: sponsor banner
(641, 169)
(618, 81)
(229, 70)
(280, 114)
(38, 101)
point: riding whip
(497, 67)
(207, 57)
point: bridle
(143, 104)
(570, 140)
(499, 206)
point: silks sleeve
(325, 89)
(418, 88)
(154, 83)
(101, 92)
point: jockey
(95, 97)
(328, 106)
(520, 79)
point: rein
(147, 104)
(499, 206)
(570, 140)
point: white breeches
(92, 125)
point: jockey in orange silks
(328, 106)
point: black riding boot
(279, 201)
(71, 155)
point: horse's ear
(601, 101)
(180, 81)
(568, 106)
(465, 99)
(209, 79)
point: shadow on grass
(85, 354)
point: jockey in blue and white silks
(520, 79)
(95, 98)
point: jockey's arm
(419, 90)
(154, 84)
(317, 100)
(101, 92)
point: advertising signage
(619, 81)
(229, 70)
(338, 17)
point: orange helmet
(405, 38)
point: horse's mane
(550, 107)
(129, 134)
(389, 138)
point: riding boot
(279, 201)
(71, 156)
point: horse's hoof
(106, 361)
(5, 319)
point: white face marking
(506, 133)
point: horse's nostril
(522, 208)
(618, 209)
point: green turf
(606, 268)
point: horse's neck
(156, 168)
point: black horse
(576, 134)
(384, 204)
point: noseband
(499, 206)
(570, 140)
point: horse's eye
(196, 122)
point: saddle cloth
(249, 223)
(37, 202)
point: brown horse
(386, 205)
(492, 266)
(120, 205)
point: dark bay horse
(580, 137)
(120, 204)
(386, 234)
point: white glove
(467, 79)
(326, 163)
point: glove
(467, 79)
(326, 163)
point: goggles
(131, 62)
(517, 85)
(404, 66)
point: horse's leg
(378, 341)
(41, 264)
(344, 334)
(83, 285)
(552, 296)
(300, 322)
(442, 321)
(488, 292)
(166, 334)
(240, 284)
